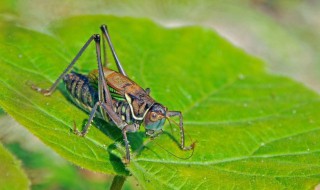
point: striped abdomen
(81, 92)
(85, 95)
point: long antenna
(183, 158)
(173, 121)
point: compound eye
(154, 116)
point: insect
(114, 97)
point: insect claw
(75, 130)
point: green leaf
(47, 169)
(253, 130)
(50, 173)
(12, 175)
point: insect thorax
(122, 108)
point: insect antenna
(173, 121)
(170, 125)
(183, 158)
(192, 145)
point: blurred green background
(286, 34)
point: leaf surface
(12, 175)
(252, 129)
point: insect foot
(45, 92)
(77, 132)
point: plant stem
(117, 182)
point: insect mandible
(114, 97)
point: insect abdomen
(80, 90)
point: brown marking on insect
(139, 98)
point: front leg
(117, 120)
